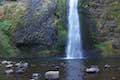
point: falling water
(74, 46)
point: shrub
(6, 49)
(60, 23)
(48, 53)
(5, 25)
(14, 12)
(107, 49)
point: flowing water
(74, 46)
(69, 69)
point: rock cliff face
(38, 30)
(44, 25)
(106, 17)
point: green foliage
(5, 25)
(62, 36)
(48, 52)
(13, 12)
(107, 49)
(115, 10)
(61, 9)
(60, 23)
(6, 49)
(83, 4)
(94, 35)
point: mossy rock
(49, 53)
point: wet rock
(32, 79)
(51, 75)
(22, 65)
(116, 43)
(53, 65)
(9, 62)
(62, 64)
(107, 66)
(20, 71)
(9, 71)
(40, 33)
(119, 68)
(25, 64)
(9, 66)
(92, 69)
(13, 0)
(6, 62)
(18, 64)
(43, 64)
(114, 78)
(35, 76)
(57, 67)
(32, 65)
(21, 68)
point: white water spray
(74, 45)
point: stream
(69, 69)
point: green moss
(60, 23)
(94, 35)
(5, 25)
(12, 17)
(48, 53)
(107, 49)
(6, 48)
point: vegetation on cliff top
(10, 17)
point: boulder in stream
(9, 66)
(107, 66)
(52, 75)
(9, 71)
(92, 69)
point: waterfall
(74, 45)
